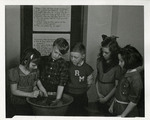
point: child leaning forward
(24, 82)
(129, 89)
(54, 70)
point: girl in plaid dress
(24, 82)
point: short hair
(112, 44)
(131, 57)
(62, 45)
(78, 47)
(30, 55)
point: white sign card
(51, 18)
(44, 42)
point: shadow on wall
(12, 63)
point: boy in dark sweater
(80, 80)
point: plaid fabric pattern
(53, 72)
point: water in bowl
(47, 101)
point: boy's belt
(121, 102)
(51, 93)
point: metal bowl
(41, 106)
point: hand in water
(43, 94)
(35, 93)
(56, 102)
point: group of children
(118, 82)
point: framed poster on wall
(52, 18)
(44, 42)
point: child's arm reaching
(35, 88)
(90, 80)
(128, 109)
(40, 86)
(60, 90)
(17, 92)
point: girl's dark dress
(128, 90)
(107, 74)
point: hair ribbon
(31, 57)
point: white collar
(81, 63)
(132, 70)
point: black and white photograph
(75, 60)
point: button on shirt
(53, 72)
(129, 88)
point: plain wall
(98, 23)
(12, 47)
(12, 22)
(127, 22)
(130, 27)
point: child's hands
(35, 88)
(100, 95)
(120, 116)
(110, 109)
(56, 102)
(43, 94)
(35, 94)
(102, 100)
